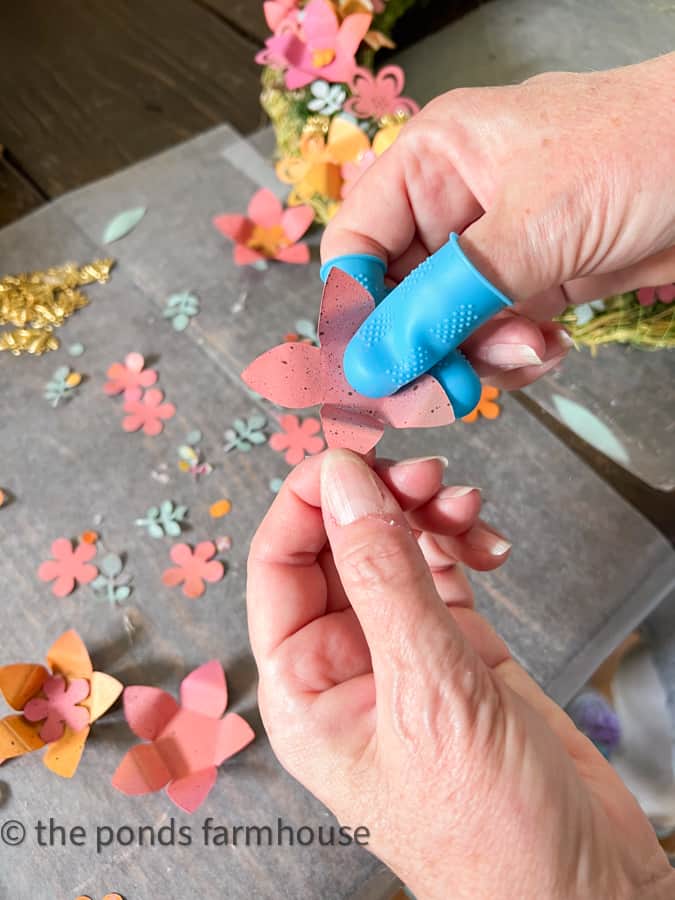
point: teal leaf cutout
(589, 427)
(242, 435)
(167, 519)
(122, 224)
(180, 308)
(111, 565)
(58, 390)
(193, 437)
(110, 583)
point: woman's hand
(562, 189)
(396, 704)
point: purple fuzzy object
(593, 716)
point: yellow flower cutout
(317, 169)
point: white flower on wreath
(327, 99)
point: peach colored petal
(189, 792)
(264, 209)
(62, 548)
(172, 577)
(233, 226)
(193, 586)
(212, 571)
(204, 550)
(84, 552)
(244, 256)
(204, 690)
(296, 220)
(297, 253)
(132, 423)
(148, 710)
(181, 554)
(64, 585)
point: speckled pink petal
(142, 771)
(235, 733)
(190, 792)
(350, 429)
(148, 710)
(287, 375)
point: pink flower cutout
(129, 375)
(352, 171)
(280, 14)
(193, 568)
(69, 566)
(59, 707)
(325, 48)
(647, 296)
(146, 411)
(374, 96)
(186, 742)
(297, 438)
(298, 375)
(268, 232)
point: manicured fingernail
(509, 355)
(565, 339)
(458, 490)
(480, 538)
(349, 489)
(420, 459)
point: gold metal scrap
(37, 302)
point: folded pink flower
(268, 232)
(69, 566)
(649, 295)
(298, 375)
(280, 14)
(146, 411)
(325, 48)
(129, 375)
(186, 742)
(374, 96)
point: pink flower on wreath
(647, 296)
(268, 231)
(375, 96)
(297, 438)
(69, 566)
(324, 48)
(59, 707)
(129, 375)
(193, 568)
(280, 14)
(146, 411)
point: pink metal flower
(374, 96)
(298, 375)
(268, 232)
(352, 171)
(193, 568)
(69, 566)
(59, 707)
(146, 411)
(129, 375)
(647, 296)
(297, 438)
(325, 48)
(186, 742)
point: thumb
(411, 637)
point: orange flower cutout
(318, 168)
(23, 683)
(486, 405)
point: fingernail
(458, 490)
(510, 355)
(349, 489)
(565, 339)
(420, 459)
(480, 538)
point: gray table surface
(631, 392)
(585, 565)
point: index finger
(405, 204)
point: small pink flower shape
(59, 707)
(268, 231)
(374, 96)
(146, 411)
(193, 568)
(297, 438)
(647, 296)
(129, 375)
(69, 566)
